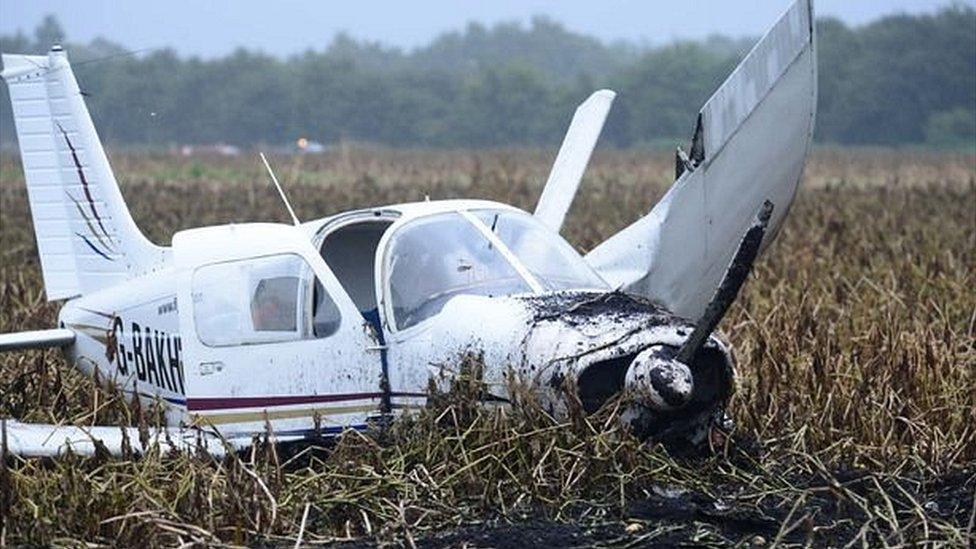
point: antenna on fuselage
(281, 191)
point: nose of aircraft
(659, 380)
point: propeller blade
(728, 289)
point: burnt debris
(579, 308)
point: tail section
(86, 237)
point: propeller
(728, 289)
(661, 373)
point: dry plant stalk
(855, 410)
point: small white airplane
(333, 323)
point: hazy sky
(214, 27)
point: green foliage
(661, 93)
(952, 128)
(881, 83)
(899, 80)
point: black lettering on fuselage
(176, 362)
(118, 335)
(156, 355)
(168, 307)
(137, 356)
(161, 340)
(152, 375)
(173, 363)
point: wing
(48, 440)
(574, 155)
(40, 339)
(750, 146)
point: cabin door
(270, 335)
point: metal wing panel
(756, 75)
(48, 440)
(573, 157)
(756, 143)
(38, 339)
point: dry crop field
(855, 409)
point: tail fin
(86, 237)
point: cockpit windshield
(484, 252)
(550, 259)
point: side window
(261, 300)
(325, 320)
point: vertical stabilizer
(86, 237)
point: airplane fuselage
(144, 338)
(327, 324)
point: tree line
(902, 79)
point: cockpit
(430, 259)
(485, 252)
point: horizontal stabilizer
(39, 339)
